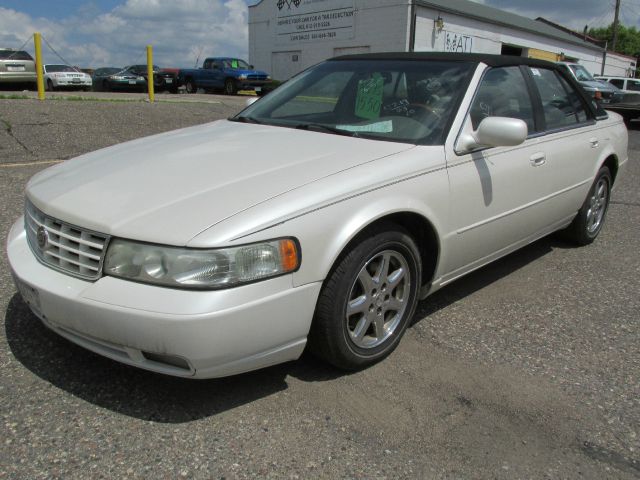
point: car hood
(250, 72)
(602, 86)
(169, 187)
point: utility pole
(615, 26)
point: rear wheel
(590, 218)
(230, 87)
(367, 301)
(49, 85)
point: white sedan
(64, 76)
(318, 216)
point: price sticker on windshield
(369, 97)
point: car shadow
(164, 399)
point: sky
(115, 32)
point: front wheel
(190, 86)
(367, 301)
(590, 218)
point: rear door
(571, 139)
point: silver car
(318, 216)
(16, 66)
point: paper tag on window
(234, 63)
(378, 127)
(369, 98)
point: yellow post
(39, 70)
(150, 71)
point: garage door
(350, 50)
(285, 65)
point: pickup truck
(223, 73)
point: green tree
(628, 38)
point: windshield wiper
(325, 128)
(244, 119)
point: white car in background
(317, 216)
(629, 86)
(57, 76)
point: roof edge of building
(444, 8)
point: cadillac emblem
(42, 237)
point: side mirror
(251, 67)
(495, 132)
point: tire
(230, 87)
(105, 86)
(590, 218)
(361, 315)
(190, 86)
(49, 86)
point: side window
(503, 93)
(574, 96)
(207, 63)
(618, 82)
(561, 104)
(633, 85)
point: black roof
(491, 60)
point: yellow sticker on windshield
(234, 63)
(369, 99)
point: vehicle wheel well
(612, 164)
(419, 228)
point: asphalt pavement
(527, 368)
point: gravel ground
(528, 368)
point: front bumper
(201, 334)
(69, 83)
(18, 77)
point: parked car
(162, 80)
(223, 73)
(629, 107)
(17, 66)
(111, 78)
(600, 91)
(317, 216)
(65, 76)
(629, 86)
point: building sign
(457, 42)
(299, 21)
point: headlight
(201, 269)
(242, 77)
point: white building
(287, 36)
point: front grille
(256, 77)
(64, 247)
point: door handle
(594, 142)
(538, 159)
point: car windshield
(59, 68)
(396, 100)
(108, 71)
(14, 55)
(236, 64)
(581, 73)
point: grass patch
(14, 97)
(78, 98)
